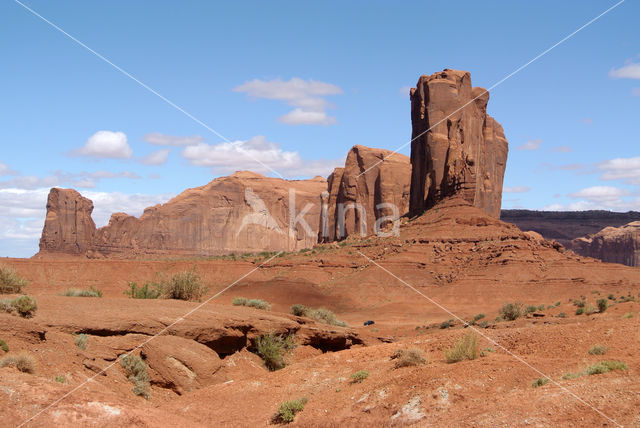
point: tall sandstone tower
(457, 148)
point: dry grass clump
(408, 358)
(466, 348)
(136, 371)
(22, 361)
(10, 281)
(511, 311)
(359, 376)
(322, 315)
(185, 285)
(78, 292)
(287, 410)
(272, 348)
(25, 306)
(252, 303)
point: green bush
(561, 315)
(408, 358)
(240, 301)
(605, 366)
(60, 379)
(77, 292)
(359, 376)
(603, 304)
(299, 310)
(466, 348)
(25, 306)
(184, 285)
(322, 315)
(22, 361)
(10, 281)
(511, 311)
(478, 317)
(539, 382)
(4, 346)
(150, 290)
(483, 324)
(611, 297)
(272, 349)
(253, 303)
(136, 371)
(81, 341)
(446, 324)
(598, 350)
(579, 311)
(287, 411)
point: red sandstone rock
(374, 180)
(611, 244)
(457, 147)
(244, 212)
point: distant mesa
(611, 244)
(463, 155)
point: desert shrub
(561, 315)
(10, 281)
(598, 350)
(478, 317)
(25, 306)
(4, 346)
(60, 379)
(184, 285)
(150, 290)
(22, 361)
(558, 303)
(253, 303)
(359, 376)
(446, 324)
(487, 351)
(466, 348)
(81, 341)
(483, 324)
(605, 366)
(410, 357)
(299, 310)
(511, 311)
(611, 297)
(6, 306)
(603, 304)
(539, 382)
(579, 311)
(136, 371)
(240, 301)
(287, 411)
(579, 303)
(78, 292)
(531, 308)
(628, 315)
(322, 315)
(590, 309)
(272, 348)
(541, 307)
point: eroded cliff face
(244, 212)
(457, 147)
(68, 227)
(368, 193)
(611, 244)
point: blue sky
(297, 84)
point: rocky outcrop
(457, 148)
(244, 212)
(611, 244)
(68, 227)
(368, 194)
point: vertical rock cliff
(611, 244)
(457, 147)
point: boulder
(456, 148)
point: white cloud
(516, 189)
(305, 95)
(242, 155)
(159, 139)
(106, 144)
(530, 145)
(85, 180)
(562, 149)
(5, 170)
(627, 169)
(629, 71)
(156, 158)
(600, 194)
(22, 214)
(299, 116)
